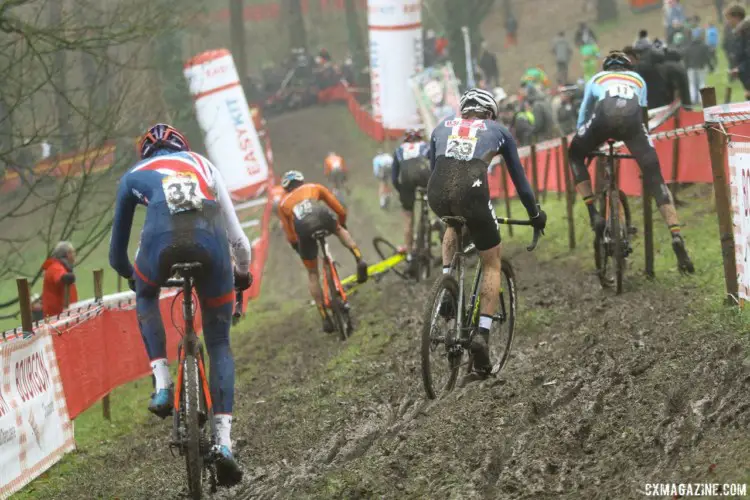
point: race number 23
(182, 193)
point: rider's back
(469, 139)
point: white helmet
(478, 100)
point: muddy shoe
(328, 325)
(480, 350)
(161, 402)
(684, 263)
(228, 472)
(361, 271)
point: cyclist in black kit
(613, 108)
(460, 153)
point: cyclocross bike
(193, 427)
(450, 323)
(612, 244)
(426, 247)
(334, 295)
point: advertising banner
(35, 430)
(396, 54)
(739, 181)
(436, 92)
(224, 116)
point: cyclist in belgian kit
(308, 208)
(460, 153)
(613, 108)
(189, 217)
(410, 170)
(381, 167)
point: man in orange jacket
(306, 209)
(58, 274)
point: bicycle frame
(328, 261)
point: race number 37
(182, 193)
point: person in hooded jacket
(58, 275)
(739, 47)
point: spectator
(58, 275)
(511, 30)
(590, 60)
(489, 66)
(584, 36)
(563, 53)
(642, 42)
(697, 61)
(712, 39)
(430, 52)
(740, 45)
(441, 47)
(674, 16)
(719, 10)
(522, 125)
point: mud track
(602, 394)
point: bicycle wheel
(423, 250)
(504, 326)
(339, 315)
(618, 240)
(386, 250)
(191, 405)
(441, 350)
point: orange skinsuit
(334, 162)
(307, 192)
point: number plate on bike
(182, 192)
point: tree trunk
(296, 24)
(356, 37)
(167, 57)
(237, 36)
(606, 10)
(60, 84)
(469, 13)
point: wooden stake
(98, 294)
(547, 164)
(534, 171)
(570, 195)
(717, 150)
(504, 176)
(24, 301)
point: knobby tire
(385, 250)
(617, 238)
(450, 285)
(508, 299)
(337, 307)
(192, 402)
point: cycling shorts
(337, 177)
(621, 120)
(194, 236)
(459, 189)
(383, 173)
(413, 174)
(319, 218)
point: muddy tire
(192, 405)
(339, 314)
(423, 250)
(439, 338)
(618, 243)
(504, 327)
(386, 250)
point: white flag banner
(739, 181)
(35, 431)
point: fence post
(559, 167)
(98, 294)
(24, 301)
(119, 283)
(727, 95)
(569, 195)
(648, 220)
(547, 162)
(534, 171)
(504, 176)
(716, 147)
(676, 160)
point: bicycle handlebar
(517, 222)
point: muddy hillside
(602, 394)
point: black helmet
(617, 59)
